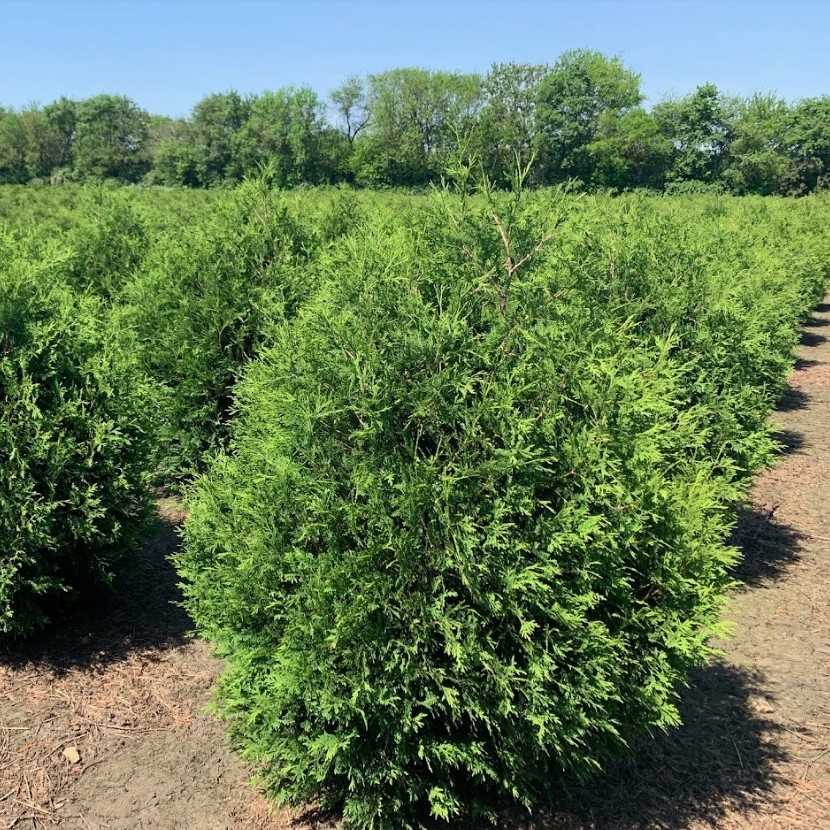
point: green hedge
(205, 301)
(109, 243)
(470, 535)
(77, 440)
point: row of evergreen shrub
(469, 535)
(462, 528)
(78, 435)
(123, 337)
(206, 298)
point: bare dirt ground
(103, 722)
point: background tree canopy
(580, 119)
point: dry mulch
(103, 721)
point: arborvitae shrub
(469, 537)
(109, 243)
(343, 213)
(205, 302)
(730, 280)
(77, 430)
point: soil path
(124, 686)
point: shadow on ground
(137, 614)
(792, 399)
(811, 338)
(768, 548)
(723, 758)
(788, 441)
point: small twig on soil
(793, 732)
(814, 800)
(809, 764)
(97, 761)
(135, 729)
(32, 806)
(740, 760)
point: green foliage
(285, 133)
(464, 534)
(174, 158)
(203, 304)
(758, 159)
(504, 134)
(61, 118)
(416, 118)
(111, 133)
(700, 126)
(808, 145)
(12, 148)
(694, 187)
(582, 89)
(574, 120)
(215, 123)
(77, 432)
(630, 151)
(349, 100)
(470, 535)
(109, 244)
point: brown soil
(124, 686)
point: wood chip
(72, 755)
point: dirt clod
(72, 755)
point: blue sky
(167, 54)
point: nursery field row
(460, 469)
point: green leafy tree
(215, 122)
(701, 127)
(284, 133)
(172, 155)
(35, 127)
(583, 92)
(334, 157)
(176, 161)
(757, 153)
(630, 151)
(808, 146)
(416, 117)
(13, 146)
(37, 140)
(505, 129)
(350, 103)
(111, 137)
(61, 117)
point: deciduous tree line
(579, 119)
